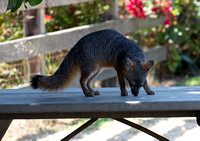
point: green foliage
(173, 59)
(184, 35)
(34, 2)
(193, 81)
(11, 25)
(182, 38)
(193, 67)
(75, 15)
(53, 60)
(14, 5)
(9, 76)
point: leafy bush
(75, 15)
(10, 76)
(183, 39)
(11, 25)
(180, 32)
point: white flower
(175, 30)
(180, 33)
(170, 41)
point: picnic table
(71, 103)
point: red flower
(167, 22)
(48, 17)
(124, 16)
(168, 9)
(56, 27)
(169, 4)
(154, 9)
(136, 8)
(157, 1)
(163, 8)
(127, 34)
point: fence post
(115, 9)
(33, 25)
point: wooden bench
(71, 103)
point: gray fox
(104, 48)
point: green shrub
(64, 17)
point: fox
(92, 53)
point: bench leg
(136, 126)
(81, 128)
(4, 124)
(139, 127)
(198, 117)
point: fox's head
(136, 73)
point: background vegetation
(179, 32)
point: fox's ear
(148, 65)
(129, 64)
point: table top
(72, 103)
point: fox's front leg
(122, 84)
(147, 89)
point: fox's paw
(125, 93)
(89, 94)
(151, 92)
(96, 92)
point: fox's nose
(135, 90)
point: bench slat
(71, 103)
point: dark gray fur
(105, 48)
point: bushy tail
(61, 78)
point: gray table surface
(71, 103)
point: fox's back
(107, 45)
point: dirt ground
(175, 129)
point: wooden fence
(59, 40)
(43, 4)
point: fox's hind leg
(92, 75)
(83, 81)
(87, 74)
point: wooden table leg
(4, 124)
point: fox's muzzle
(135, 90)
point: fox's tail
(61, 78)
